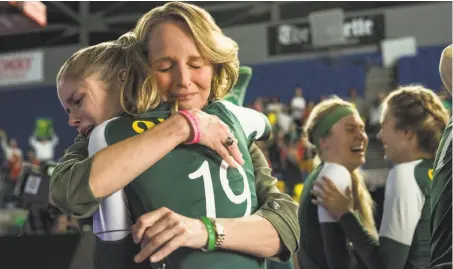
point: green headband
(328, 121)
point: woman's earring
(122, 75)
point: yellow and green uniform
(191, 180)
(441, 191)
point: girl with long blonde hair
(336, 129)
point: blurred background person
(374, 114)
(44, 140)
(441, 189)
(14, 162)
(358, 102)
(298, 104)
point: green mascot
(43, 128)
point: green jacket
(71, 192)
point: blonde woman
(194, 76)
(336, 129)
(411, 126)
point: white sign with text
(21, 67)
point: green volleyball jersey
(323, 243)
(441, 192)
(191, 180)
(404, 234)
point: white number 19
(205, 173)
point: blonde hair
(445, 67)
(101, 59)
(363, 202)
(212, 44)
(421, 111)
(121, 65)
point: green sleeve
(278, 208)
(441, 203)
(447, 265)
(386, 253)
(69, 186)
(335, 246)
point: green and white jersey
(191, 180)
(323, 243)
(441, 206)
(404, 232)
(404, 235)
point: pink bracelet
(195, 124)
